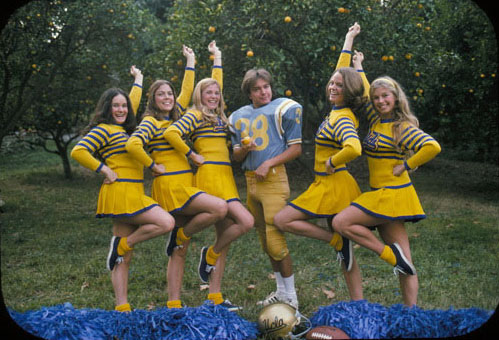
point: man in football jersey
(266, 134)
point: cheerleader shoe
(204, 269)
(113, 257)
(172, 242)
(403, 265)
(230, 306)
(345, 254)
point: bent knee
(247, 223)
(280, 221)
(220, 209)
(339, 223)
(167, 223)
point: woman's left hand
(398, 169)
(329, 169)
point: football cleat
(403, 265)
(276, 297)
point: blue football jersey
(273, 127)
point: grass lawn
(53, 249)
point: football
(326, 333)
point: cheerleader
(336, 144)
(206, 125)
(394, 146)
(173, 188)
(135, 216)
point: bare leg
(352, 223)
(242, 220)
(294, 221)
(205, 210)
(119, 275)
(153, 222)
(409, 285)
(175, 271)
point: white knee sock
(289, 285)
(281, 288)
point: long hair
(151, 107)
(103, 111)
(197, 103)
(353, 89)
(402, 113)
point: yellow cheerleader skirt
(217, 180)
(400, 203)
(123, 198)
(327, 195)
(174, 191)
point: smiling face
(119, 109)
(384, 101)
(210, 96)
(164, 98)
(335, 89)
(260, 93)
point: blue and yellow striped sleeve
(425, 146)
(345, 132)
(83, 151)
(182, 127)
(140, 138)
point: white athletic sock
(281, 288)
(289, 285)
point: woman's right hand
(197, 159)
(189, 55)
(111, 176)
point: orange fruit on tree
(249, 54)
(384, 58)
(288, 93)
(212, 29)
(287, 19)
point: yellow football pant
(264, 200)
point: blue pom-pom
(364, 320)
(205, 322)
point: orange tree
(58, 57)
(443, 53)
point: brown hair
(153, 110)
(353, 88)
(252, 76)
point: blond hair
(197, 102)
(402, 113)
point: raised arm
(136, 91)
(185, 95)
(346, 51)
(217, 70)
